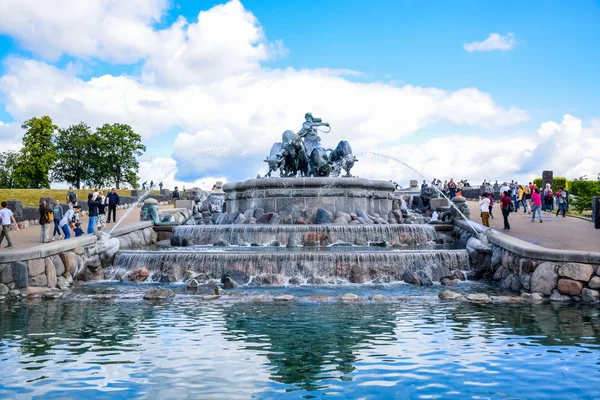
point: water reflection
(133, 349)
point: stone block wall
(557, 276)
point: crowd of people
(449, 188)
(529, 197)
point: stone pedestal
(414, 185)
(166, 192)
(17, 208)
(437, 203)
(460, 203)
(548, 177)
(189, 204)
(596, 211)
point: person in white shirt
(6, 215)
(66, 223)
(504, 188)
(484, 204)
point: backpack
(72, 197)
(49, 215)
(511, 207)
(548, 194)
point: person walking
(101, 222)
(92, 212)
(58, 214)
(175, 194)
(113, 201)
(484, 204)
(491, 197)
(46, 216)
(562, 201)
(452, 188)
(151, 185)
(505, 203)
(144, 185)
(72, 197)
(536, 200)
(67, 221)
(6, 216)
(548, 198)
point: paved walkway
(30, 237)
(555, 232)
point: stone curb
(132, 227)
(46, 250)
(529, 250)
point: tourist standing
(66, 222)
(151, 185)
(505, 203)
(548, 198)
(536, 200)
(175, 194)
(527, 197)
(160, 186)
(72, 197)
(423, 185)
(144, 185)
(489, 195)
(101, 222)
(505, 188)
(521, 197)
(113, 202)
(46, 216)
(58, 214)
(452, 188)
(562, 201)
(92, 212)
(6, 216)
(484, 204)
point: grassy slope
(31, 197)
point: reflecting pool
(82, 347)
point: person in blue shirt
(78, 230)
(57, 211)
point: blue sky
(550, 72)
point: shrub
(556, 183)
(583, 191)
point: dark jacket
(93, 208)
(175, 194)
(113, 199)
(43, 215)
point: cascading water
(330, 265)
(409, 235)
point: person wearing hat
(78, 230)
(66, 222)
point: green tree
(118, 148)
(38, 155)
(74, 150)
(8, 163)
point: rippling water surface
(189, 348)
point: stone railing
(520, 266)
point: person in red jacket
(505, 204)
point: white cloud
(206, 78)
(10, 136)
(495, 41)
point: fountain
(309, 225)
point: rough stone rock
(525, 281)
(478, 245)
(6, 273)
(512, 282)
(20, 274)
(345, 216)
(14, 293)
(406, 238)
(193, 284)
(449, 295)
(379, 297)
(315, 281)
(265, 218)
(425, 279)
(507, 299)
(589, 295)
(51, 295)
(38, 280)
(365, 218)
(320, 238)
(259, 212)
(594, 283)
(288, 220)
(62, 283)
(159, 294)
(501, 273)
(525, 266)
(536, 297)
(506, 259)
(458, 274)
(349, 297)
(237, 275)
(50, 273)
(33, 291)
(556, 296)
(544, 278)
(4, 290)
(478, 298)
(36, 267)
(323, 217)
(229, 283)
(138, 275)
(570, 287)
(357, 274)
(285, 297)
(300, 221)
(340, 221)
(294, 281)
(496, 257)
(411, 277)
(576, 271)
(210, 297)
(449, 281)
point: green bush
(583, 191)
(556, 183)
